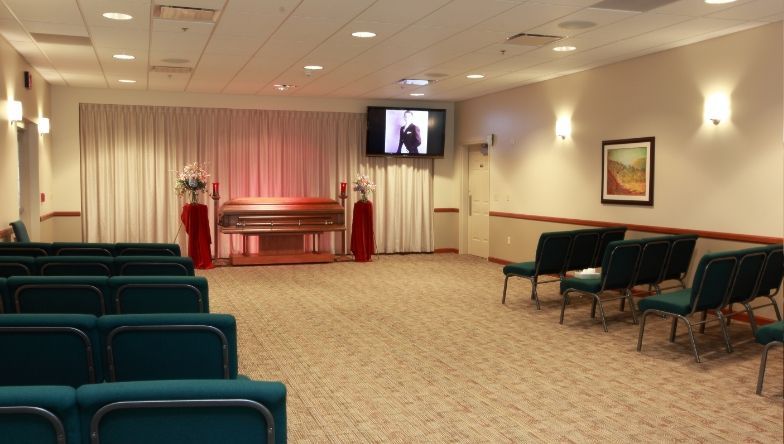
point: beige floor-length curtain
(129, 154)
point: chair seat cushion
(771, 332)
(586, 285)
(677, 302)
(521, 268)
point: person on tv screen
(409, 134)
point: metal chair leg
(623, 304)
(506, 280)
(729, 318)
(564, 301)
(534, 293)
(673, 328)
(752, 319)
(642, 329)
(724, 330)
(691, 338)
(764, 362)
(704, 317)
(601, 311)
(593, 309)
(631, 306)
(775, 307)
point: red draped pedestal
(362, 240)
(194, 217)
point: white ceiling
(258, 43)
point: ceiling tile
(753, 10)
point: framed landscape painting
(627, 171)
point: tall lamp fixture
(43, 125)
(15, 111)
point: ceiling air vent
(631, 5)
(171, 69)
(57, 39)
(185, 14)
(524, 39)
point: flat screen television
(405, 132)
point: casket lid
(256, 205)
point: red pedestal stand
(362, 240)
(197, 225)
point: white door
(478, 202)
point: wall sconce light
(563, 128)
(14, 111)
(717, 108)
(43, 125)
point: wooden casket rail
(281, 225)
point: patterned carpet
(419, 349)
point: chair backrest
(154, 266)
(681, 251)
(59, 294)
(75, 266)
(32, 249)
(184, 412)
(751, 262)
(159, 294)
(39, 414)
(169, 346)
(712, 281)
(20, 231)
(3, 296)
(653, 260)
(583, 249)
(773, 271)
(552, 252)
(146, 249)
(48, 349)
(82, 249)
(17, 266)
(619, 264)
(606, 235)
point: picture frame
(628, 171)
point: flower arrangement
(364, 185)
(191, 180)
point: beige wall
(35, 103)
(725, 178)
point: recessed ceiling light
(314, 67)
(564, 48)
(718, 2)
(364, 34)
(123, 57)
(117, 16)
(417, 82)
(283, 87)
(475, 76)
(417, 94)
(126, 81)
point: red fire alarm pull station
(28, 80)
(43, 197)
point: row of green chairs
(561, 251)
(88, 249)
(720, 280)
(96, 266)
(99, 295)
(150, 412)
(630, 263)
(74, 349)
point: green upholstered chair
(146, 249)
(75, 265)
(20, 231)
(751, 265)
(17, 266)
(169, 346)
(712, 281)
(679, 259)
(607, 235)
(551, 254)
(154, 266)
(650, 267)
(184, 412)
(59, 294)
(159, 294)
(771, 335)
(769, 283)
(82, 249)
(49, 349)
(39, 414)
(3, 296)
(583, 249)
(32, 249)
(618, 268)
